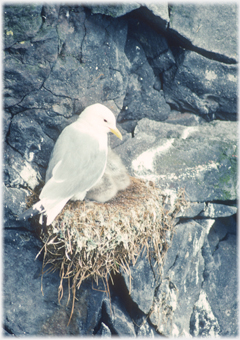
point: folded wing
(76, 164)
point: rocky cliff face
(169, 73)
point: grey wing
(76, 164)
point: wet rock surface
(169, 74)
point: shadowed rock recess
(169, 74)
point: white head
(100, 117)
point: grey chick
(115, 178)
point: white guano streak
(145, 161)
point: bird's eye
(105, 120)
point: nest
(90, 239)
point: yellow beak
(116, 133)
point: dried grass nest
(90, 239)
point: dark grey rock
(141, 100)
(144, 97)
(193, 210)
(104, 331)
(46, 100)
(142, 285)
(220, 228)
(88, 306)
(6, 333)
(113, 10)
(214, 210)
(145, 330)
(153, 43)
(165, 304)
(220, 284)
(6, 124)
(28, 64)
(18, 171)
(196, 265)
(71, 30)
(20, 79)
(14, 204)
(42, 49)
(25, 308)
(205, 87)
(34, 133)
(155, 46)
(50, 13)
(209, 223)
(209, 27)
(103, 79)
(203, 322)
(161, 63)
(181, 280)
(185, 118)
(121, 295)
(21, 23)
(119, 320)
(220, 281)
(29, 139)
(161, 11)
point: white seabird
(77, 162)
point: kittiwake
(77, 162)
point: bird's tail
(36, 209)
